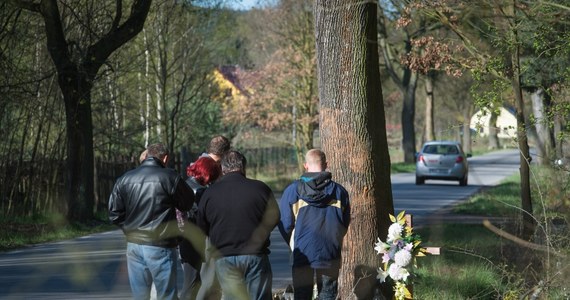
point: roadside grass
(475, 263)
(465, 269)
(23, 232)
(277, 183)
(500, 201)
(402, 167)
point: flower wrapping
(399, 251)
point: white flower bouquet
(399, 251)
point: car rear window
(441, 149)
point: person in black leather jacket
(143, 204)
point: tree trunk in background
(145, 110)
(544, 135)
(406, 80)
(429, 127)
(466, 136)
(353, 132)
(80, 185)
(409, 116)
(75, 77)
(514, 73)
(493, 131)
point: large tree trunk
(353, 132)
(79, 182)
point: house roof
(236, 76)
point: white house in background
(506, 122)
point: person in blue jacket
(315, 214)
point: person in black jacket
(143, 204)
(238, 215)
(201, 174)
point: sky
(247, 4)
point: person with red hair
(201, 174)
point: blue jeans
(148, 264)
(245, 277)
(326, 279)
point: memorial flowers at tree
(399, 253)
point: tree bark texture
(526, 198)
(353, 132)
(76, 74)
(467, 112)
(513, 72)
(409, 115)
(493, 138)
(429, 127)
(544, 134)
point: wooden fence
(38, 188)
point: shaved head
(315, 161)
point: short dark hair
(233, 161)
(157, 150)
(219, 145)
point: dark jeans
(245, 277)
(303, 282)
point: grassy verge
(478, 264)
(22, 232)
(500, 201)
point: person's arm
(183, 195)
(287, 220)
(272, 214)
(116, 207)
(201, 219)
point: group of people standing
(218, 222)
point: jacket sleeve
(201, 219)
(183, 195)
(272, 214)
(346, 207)
(287, 221)
(117, 210)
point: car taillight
(421, 158)
(459, 159)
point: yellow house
(229, 79)
(506, 123)
(234, 96)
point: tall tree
(395, 45)
(353, 131)
(498, 23)
(80, 41)
(545, 58)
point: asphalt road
(94, 267)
